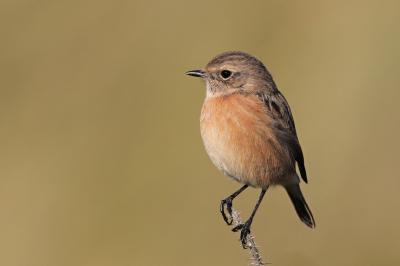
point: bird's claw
(244, 232)
(228, 203)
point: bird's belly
(239, 141)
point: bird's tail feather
(300, 204)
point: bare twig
(256, 258)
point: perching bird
(249, 133)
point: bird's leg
(245, 228)
(228, 203)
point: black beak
(196, 73)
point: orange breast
(238, 136)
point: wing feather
(281, 113)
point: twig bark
(256, 258)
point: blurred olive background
(102, 162)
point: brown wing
(280, 111)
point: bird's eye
(225, 74)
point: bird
(249, 133)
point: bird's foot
(244, 232)
(228, 203)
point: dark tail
(300, 204)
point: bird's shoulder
(278, 109)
